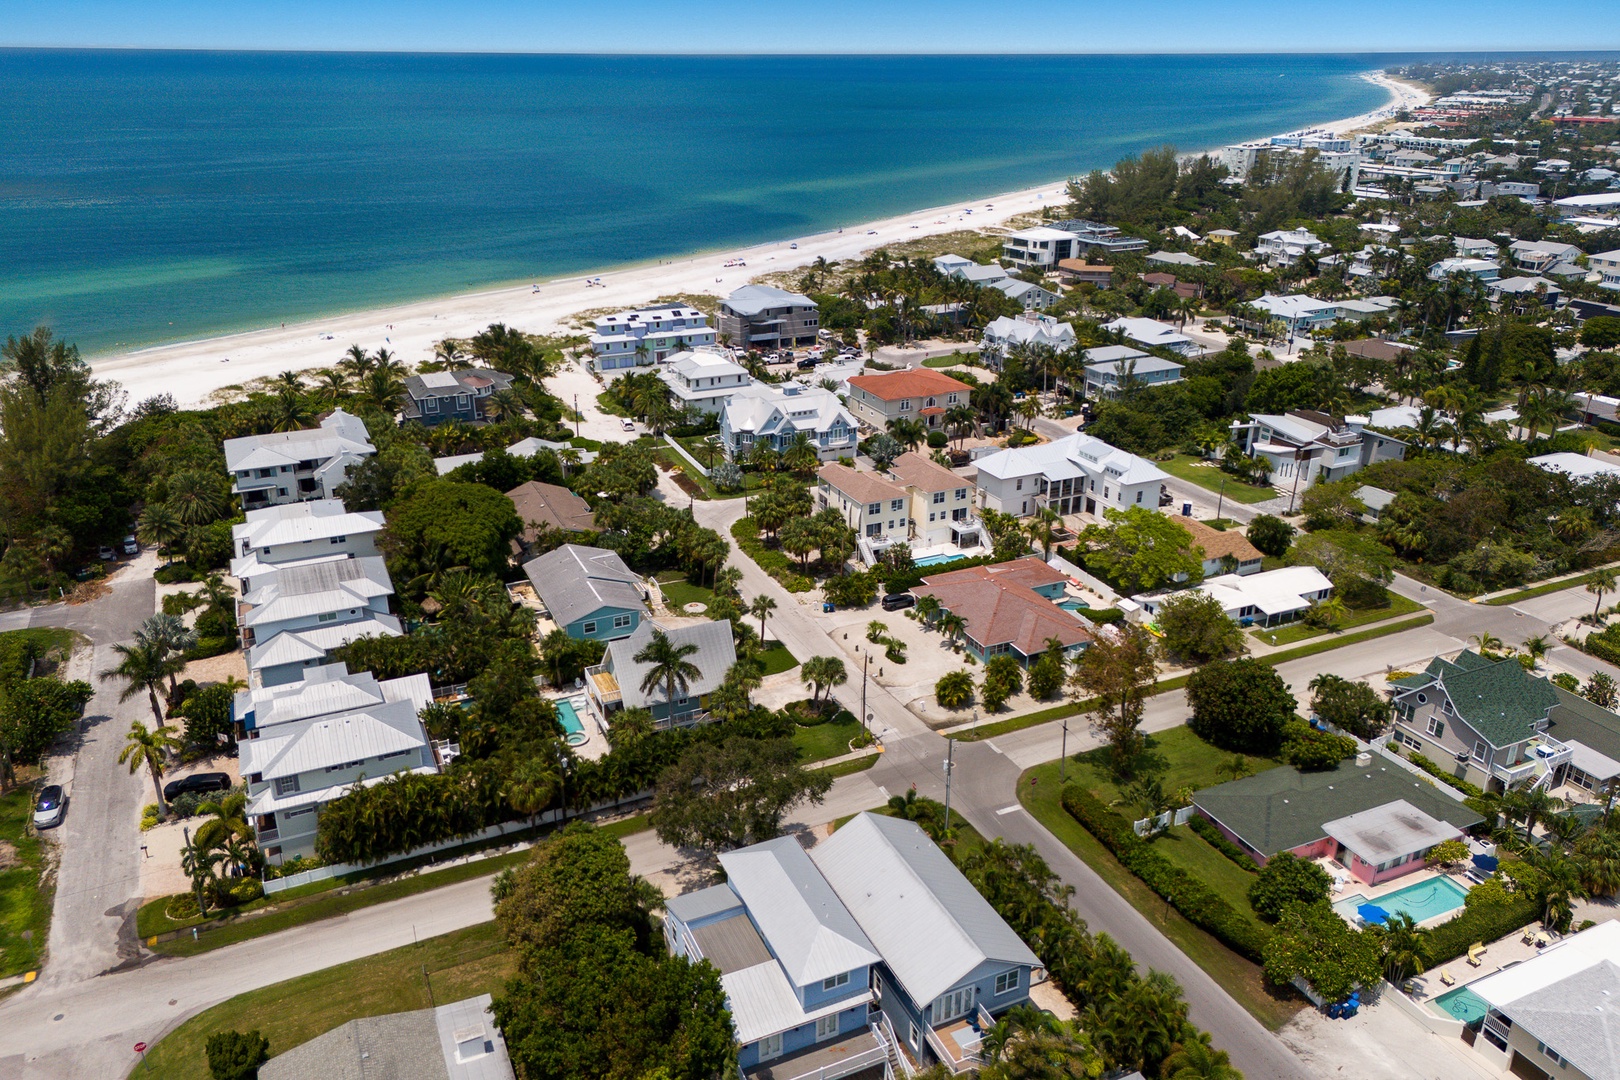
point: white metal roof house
(310, 742)
(1073, 475)
(1557, 1013)
(291, 466)
(1109, 367)
(1269, 598)
(1285, 247)
(1524, 292)
(870, 946)
(1300, 314)
(1005, 333)
(647, 335)
(615, 683)
(703, 379)
(1153, 334)
(299, 532)
(777, 415)
(296, 614)
(1305, 446)
(1479, 269)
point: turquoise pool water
(1461, 1003)
(1075, 605)
(937, 560)
(1421, 900)
(571, 723)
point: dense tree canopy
(1240, 705)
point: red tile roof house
(1008, 608)
(916, 394)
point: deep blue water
(154, 196)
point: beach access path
(192, 371)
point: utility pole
(1221, 501)
(1063, 762)
(576, 416)
(866, 660)
(950, 765)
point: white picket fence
(1163, 821)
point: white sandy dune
(191, 371)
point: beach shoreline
(192, 371)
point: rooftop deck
(860, 1057)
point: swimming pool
(573, 728)
(1422, 900)
(1462, 1004)
(1075, 605)
(936, 560)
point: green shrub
(1287, 879)
(1479, 922)
(149, 816)
(174, 574)
(1215, 839)
(1197, 902)
(903, 580)
(1105, 616)
(773, 562)
(236, 1055)
(855, 589)
(245, 891)
(937, 440)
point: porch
(863, 1056)
(959, 1044)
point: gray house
(764, 317)
(1110, 367)
(616, 683)
(439, 396)
(458, 1041)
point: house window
(430, 405)
(1006, 981)
(588, 628)
(326, 616)
(302, 811)
(621, 621)
(841, 979)
(1018, 485)
(1138, 497)
(953, 1003)
(826, 1027)
(1437, 727)
(1423, 699)
(874, 508)
(875, 529)
(951, 399)
(939, 497)
(1445, 706)
(905, 406)
(1481, 750)
(1551, 1054)
(912, 1036)
(286, 785)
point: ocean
(148, 197)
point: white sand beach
(191, 371)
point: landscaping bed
(26, 889)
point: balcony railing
(854, 1063)
(1535, 765)
(960, 1059)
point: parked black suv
(197, 784)
(896, 601)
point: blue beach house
(871, 949)
(617, 682)
(589, 592)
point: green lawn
(680, 592)
(456, 966)
(1298, 631)
(324, 900)
(1187, 761)
(1209, 477)
(778, 659)
(953, 360)
(850, 767)
(25, 904)
(1543, 589)
(825, 741)
(1039, 792)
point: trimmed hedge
(1104, 615)
(1486, 922)
(910, 579)
(1197, 902)
(773, 562)
(1416, 757)
(1212, 836)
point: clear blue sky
(929, 26)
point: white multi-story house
(1029, 329)
(1039, 248)
(1285, 247)
(1299, 314)
(306, 743)
(1607, 266)
(294, 616)
(920, 394)
(917, 502)
(1303, 447)
(320, 530)
(703, 379)
(638, 338)
(777, 415)
(1153, 334)
(292, 466)
(1484, 270)
(1077, 474)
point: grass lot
(1055, 712)
(1209, 478)
(778, 659)
(751, 480)
(1187, 760)
(823, 741)
(680, 592)
(850, 767)
(1298, 631)
(953, 360)
(458, 965)
(1543, 589)
(327, 899)
(1039, 792)
(25, 903)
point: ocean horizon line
(872, 54)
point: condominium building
(763, 317)
(646, 336)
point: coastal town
(1163, 628)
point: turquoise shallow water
(154, 196)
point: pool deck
(596, 744)
(1424, 988)
(1373, 893)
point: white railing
(894, 1043)
(959, 1062)
(852, 1064)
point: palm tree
(669, 667)
(289, 411)
(800, 456)
(908, 431)
(332, 385)
(1403, 950)
(1196, 1059)
(160, 527)
(1237, 767)
(143, 666)
(1535, 805)
(170, 636)
(952, 626)
(961, 420)
(760, 608)
(197, 862)
(196, 497)
(532, 785)
(383, 391)
(822, 673)
(149, 748)
(1486, 642)
(1029, 409)
(357, 362)
(1602, 581)
(927, 608)
(1042, 525)
(227, 817)
(1537, 646)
